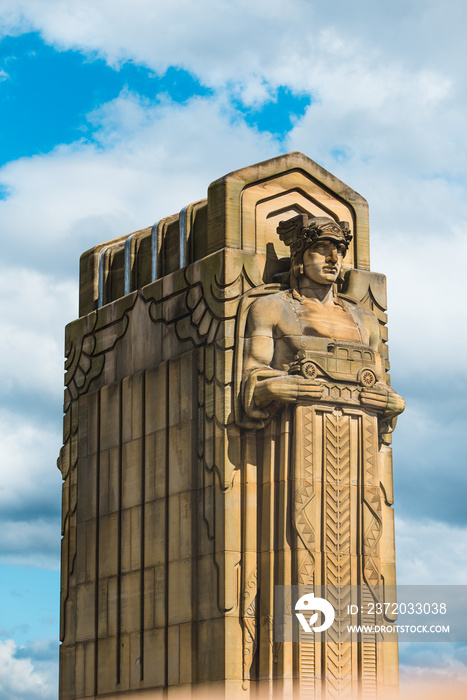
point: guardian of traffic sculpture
(228, 420)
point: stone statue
(291, 325)
(315, 389)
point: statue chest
(331, 321)
(308, 325)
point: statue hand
(287, 389)
(382, 398)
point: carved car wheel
(367, 378)
(309, 370)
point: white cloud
(79, 195)
(430, 553)
(29, 479)
(34, 542)
(353, 61)
(218, 40)
(222, 41)
(21, 679)
(425, 290)
(432, 671)
(34, 309)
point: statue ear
(298, 269)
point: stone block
(112, 606)
(173, 655)
(109, 415)
(160, 595)
(136, 660)
(206, 588)
(186, 534)
(131, 602)
(174, 527)
(181, 378)
(156, 378)
(205, 523)
(131, 542)
(155, 465)
(233, 648)
(84, 424)
(134, 390)
(105, 483)
(187, 648)
(114, 469)
(90, 671)
(107, 658)
(68, 618)
(85, 612)
(87, 488)
(149, 593)
(155, 532)
(211, 650)
(67, 680)
(79, 670)
(86, 551)
(154, 658)
(102, 610)
(180, 591)
(181, 448)
(108, 545)
(132, 473)
(124, 666)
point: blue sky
(115, 115)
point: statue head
(324, 241)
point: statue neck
(323, 293)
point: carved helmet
(300, 232)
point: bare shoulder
(362, 311)
(366, 318)
(267, 311)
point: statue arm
(381, 396)
(263, 384)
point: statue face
(322, 262)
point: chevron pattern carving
(303, 498)
(372, 521)
(337, 498)
(337, 558)
(370, 434)
(338, 658)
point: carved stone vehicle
(227, 432)
(346, 362)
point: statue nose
(333, 254)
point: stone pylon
(185, 513)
